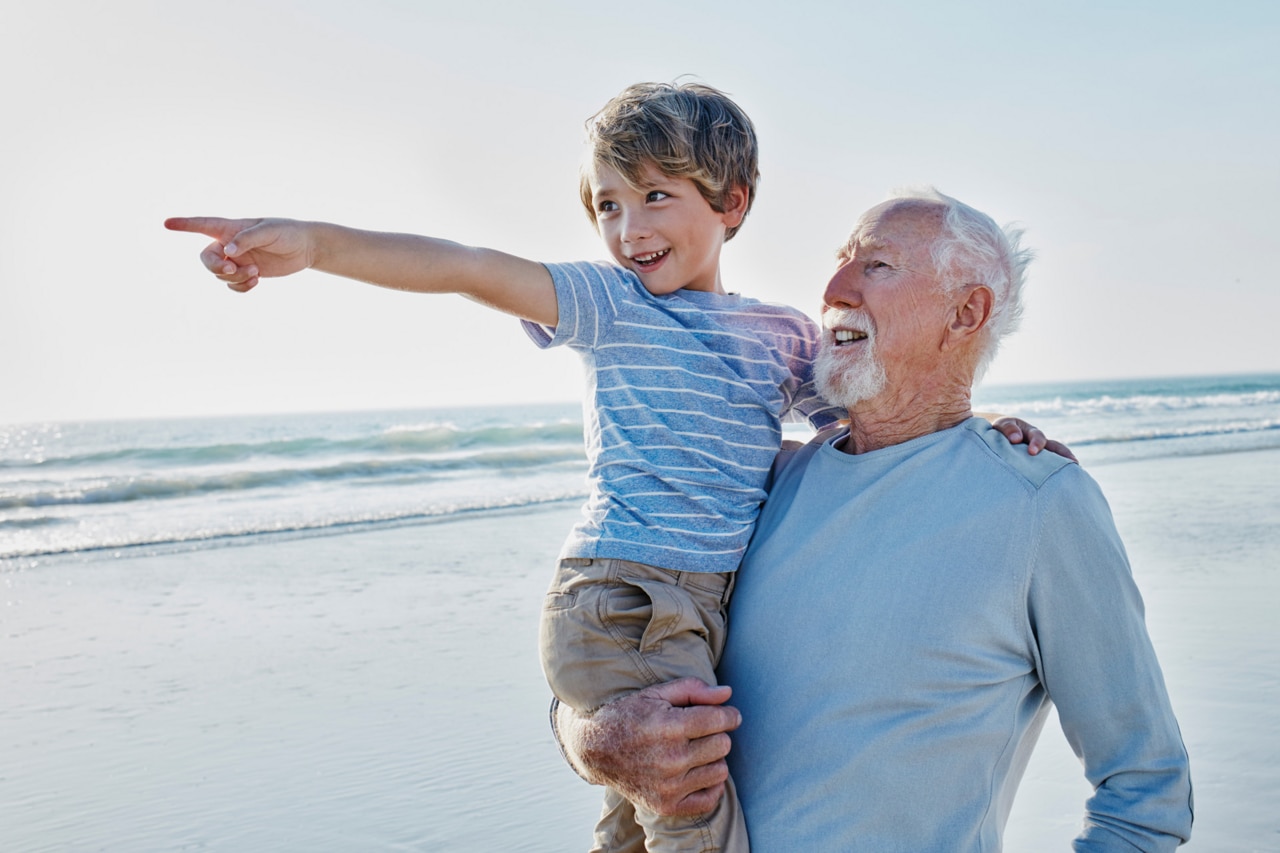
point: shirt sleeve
(587, 300)
(806, 404)
(1098, 665)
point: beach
(368, 691)
(376, 686)
(380, 689)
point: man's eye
(655, 195)
(875, 265)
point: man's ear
(972, 311)
(735, 206)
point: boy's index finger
(211, 226)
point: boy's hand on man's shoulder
(1018, 431)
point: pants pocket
(607, 637)
(643, 614)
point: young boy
(687, 387)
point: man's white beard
(843, 378)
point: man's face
(883, 313)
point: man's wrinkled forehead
(894, 225)
(861, 240)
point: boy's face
(665, 232)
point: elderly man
(917, 592)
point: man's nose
(843, 290)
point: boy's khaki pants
(611, 627)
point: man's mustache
(849, 318)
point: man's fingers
(707, 775)
(694, 792)
(710, 750)
(706, 720)
(699, 802)
(689, 691)
(701, 708)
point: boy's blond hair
(686, 130)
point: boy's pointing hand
(245, 250)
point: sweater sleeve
(1098, 665)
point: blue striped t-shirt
(686, 394)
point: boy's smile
(648, 259)
(664, 231)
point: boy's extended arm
(246, 250)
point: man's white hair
(973, 249)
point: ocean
(71, 488)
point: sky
(1137, 142)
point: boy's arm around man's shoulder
(246, 250)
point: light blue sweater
(901, 622)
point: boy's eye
(607, 206)
(655, 195)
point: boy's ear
(972, 311)
(735, 206)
